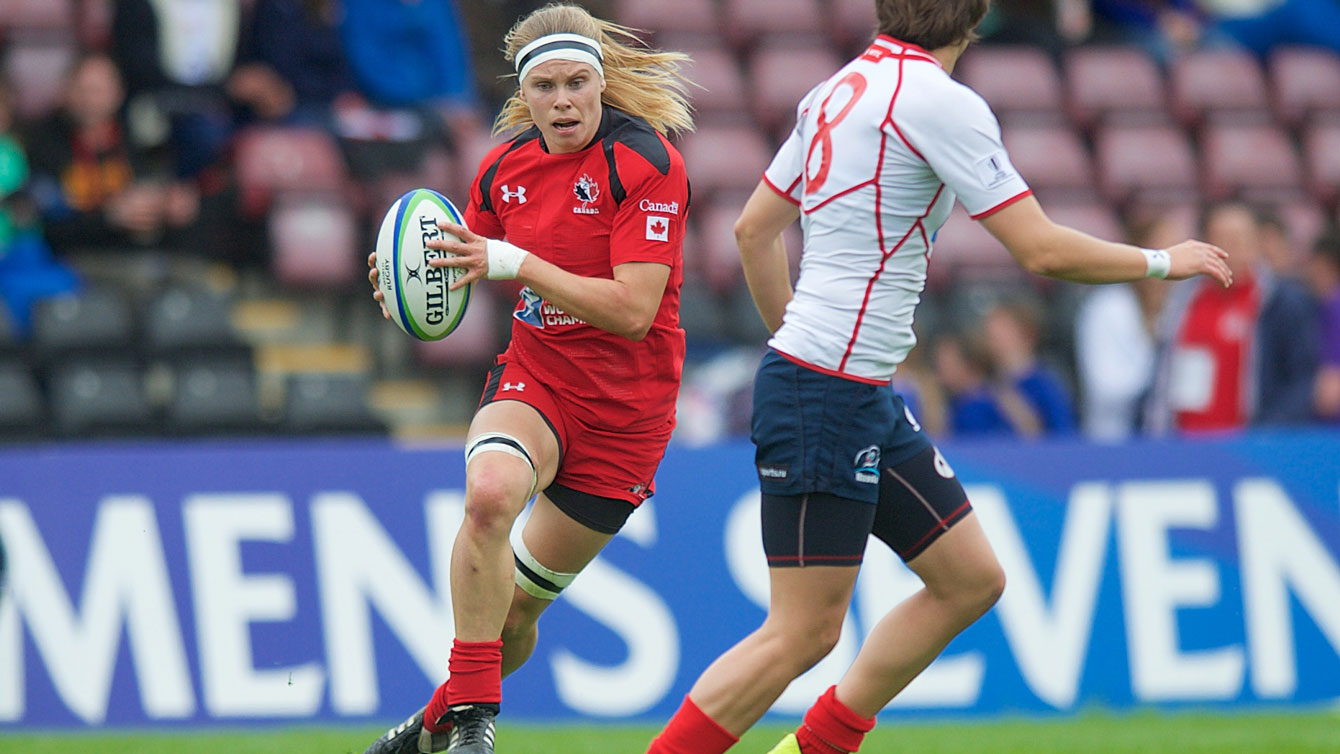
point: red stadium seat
(964, 249)
(1052, 159)
(1153, 161)
(1217, 83)
(473, 343)
(1304, 220)
(36, 70)
(271, 160)
(745, 20)
(698, 16)
(720, 83)
(95, 23)
(314, 243)
(782, 73)
(716, 259)
(23, 16)
(1321, 149)
(725, 157)
(1113, 84)
(1304, 81)
(1094, 218)
(852, 22)
(1253, 162)
(1016, 81)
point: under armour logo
(508, 194)
(517, 387)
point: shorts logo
(942, 466)
(773, 472)
(658, 228)
(867, 465)
(517, 386)
(587, 191)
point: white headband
(574, 47)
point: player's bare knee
(492, 502)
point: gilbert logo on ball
(418, 295)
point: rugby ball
(418, 295)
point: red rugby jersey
(622, 199)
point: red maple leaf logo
(658, 226)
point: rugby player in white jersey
(880, 152)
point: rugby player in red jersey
(585, 207)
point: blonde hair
(639, 80)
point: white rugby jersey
(879, 152)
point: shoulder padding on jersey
(486, 180)
(637, 135)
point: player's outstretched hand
(1191, 258)
(377, 294)
(470, 253)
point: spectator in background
(1050, 24)
(177, 58)
(1262, 25)
(94, 190)
(412, 64)
(1323, 273)
(1237, 356)
(295, 68)
(1011, 331)
(976, 407)
(1277, 247)
(27, 271)
(1114, 343)
(1165, 28)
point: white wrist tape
(1158, 263)
(504, 259)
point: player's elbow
(751, 235)
(636, 326)
(1039, 259)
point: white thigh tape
(502, 443)
(536, 580)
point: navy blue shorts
(819, 433)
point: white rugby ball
(418, 295)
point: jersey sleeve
(480, 218)
(649, 224)
(786, 172)
(959, 138)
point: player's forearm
(768, 275)
(1068, 254)
(608, 304)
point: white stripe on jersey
(879, 152)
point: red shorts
(594, 460)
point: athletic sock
(475, 670)
(691, 731)
(437, 710)
(830, 727)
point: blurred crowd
(124, 126)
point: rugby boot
(788, 745)
(410, 737)
(472, 729)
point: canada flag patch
(658, 228)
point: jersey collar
(913, 52)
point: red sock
(691, 731)
(475, 670)
(437, 710)
(830, 726)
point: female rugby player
(586, 207)
(879, 153)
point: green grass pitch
(1142, 733)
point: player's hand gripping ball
(418, 296)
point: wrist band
(504, 259)
(1158, 263)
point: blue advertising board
(308, 581)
